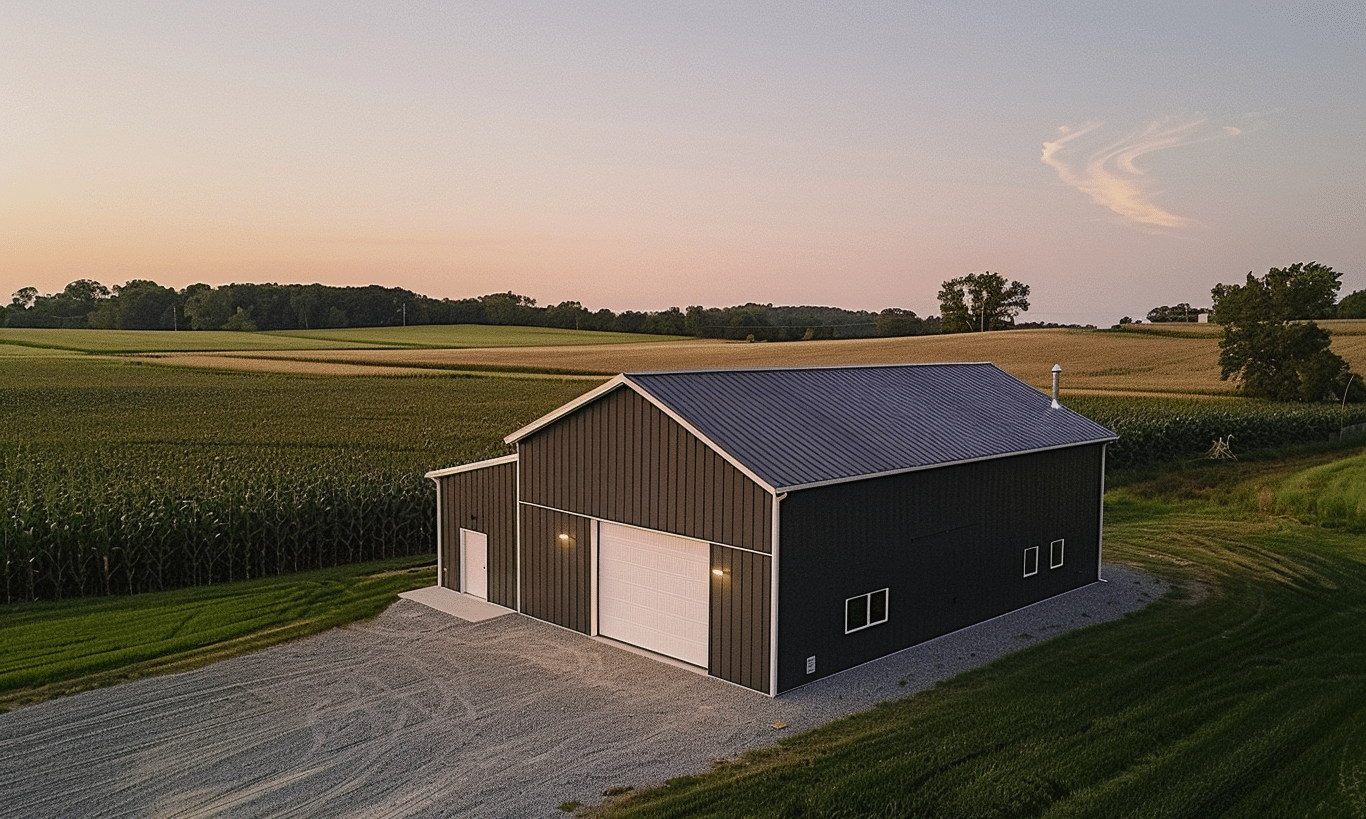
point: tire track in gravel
(419, 714)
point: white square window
(1055, 554)
(865, 610)
(1031, 561)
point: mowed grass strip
(1242, 695)
(59, 648)
(1332, 494)
(467, 335)
(149, 341)
(438, 336)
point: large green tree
(1271, 346)
(981, 301)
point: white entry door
(474, 563)
(653, 591)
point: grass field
(1245, 695)
(468, 335)
(51, 649)
(1242, 696)
(1163, 359)
(143, 341)
(433, 336)
(1127, 362)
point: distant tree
(981, 301)
(144, 305)
(1300, 291)
(1269, 345)
(568, 315)
(629, 321)
(509, 308)
(895, 321)
(24, 298)
(1176, 312)
(241, 322)
(1353, 305)
(207, 308)
(669, 322)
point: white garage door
(653, 591)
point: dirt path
(420, 714)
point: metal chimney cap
(1057, 368)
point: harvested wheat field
(1126, 362)
(1150, 361)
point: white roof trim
(452, 470)
(696, 433)
(993, 457)
(555, 415)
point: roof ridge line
(789, 368)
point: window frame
(1056, 553)
(868, 621)
(1028, 552)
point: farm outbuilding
(777, 526)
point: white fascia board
(554, 415)
(941, 465)
(696, 433)
(441, 473)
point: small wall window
(865, 610)
(1031, 561)
(1055, 555)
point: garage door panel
(653, 591)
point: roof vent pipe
(1057, 369)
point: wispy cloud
(1110, 175)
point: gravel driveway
(420, 714)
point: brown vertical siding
(556, 575)
(741, 604)
(482, 500)
(622, 459)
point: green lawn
(468, 335)
(160, 341)
(432, 336)
(53, 649)
(1242, 695)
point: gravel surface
(420, 714)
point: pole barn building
(777, 526)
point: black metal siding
(482, 500)
(948, 543)
(622, 459)
(741, 617)
(557, 572)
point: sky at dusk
(1113, 156)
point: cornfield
(124, 520)
(1159, 429)
(118, 479)
(181, 478)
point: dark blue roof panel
(799, 427)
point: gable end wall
(622, 459)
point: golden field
(1167, 359)
(1091, 360)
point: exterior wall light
(719, 572)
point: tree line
(141, 304)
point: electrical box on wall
(811, 665)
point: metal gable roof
(801, 427)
